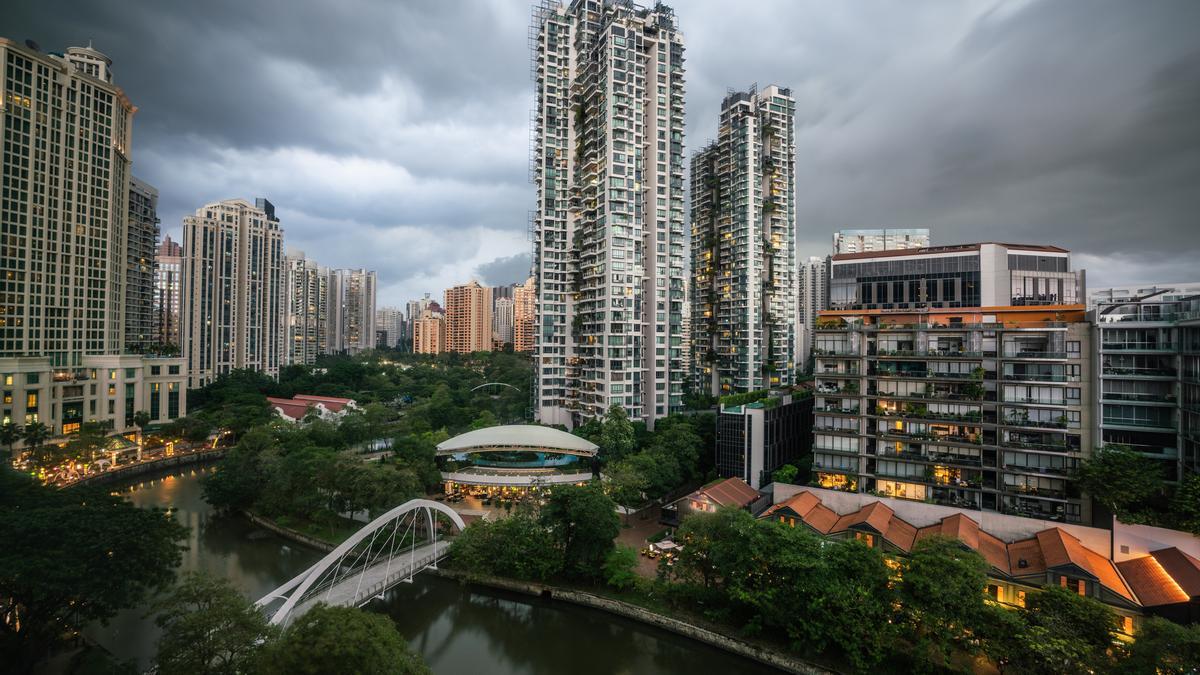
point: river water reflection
(457, 629)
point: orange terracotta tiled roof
(292, 408)
(1152, 584)
(1183, 568)
(733, 492)
(1030, 557)
(332, 403)
(1061, 548)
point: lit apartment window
(112, 374)
(31, 400)
(8, 380)
(8, 397)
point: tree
(583, 522)
(141, 419)
(616, 434)
(1185, 505)
(240, 477)
(340, 640)
(74, 556)
(619, 566)
(1163, 648)
(9, 435)
(1068, 633)
(208, 628)
(625, 484)
(785, 474)
(517, 546)
(941, 593)
(854, 600)
(1120, 479)
(36, 434)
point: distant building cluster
(471, 318)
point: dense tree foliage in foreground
(71, 557)
(210, 629)
(1131, 486)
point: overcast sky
(393, 134)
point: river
(457, 629)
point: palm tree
(140, 419)
(9, 435)
(36, 434)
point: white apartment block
(391, 321)
(609, 237)
(352, 311)
(306, 303)
(867, 241)
(502, 321)
(233, 272)
(743, 246)
(168, 292)
(812, 286)
(65, 245)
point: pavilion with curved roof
(514, 458)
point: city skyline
(1105, 128)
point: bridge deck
(359, 587)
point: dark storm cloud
(394, 135)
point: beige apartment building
(351, 311)
(469, 318)
(429, 331)
(233, 272)
(524, 317)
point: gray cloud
(508, 270)
(393, 134)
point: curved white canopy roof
(518, 437)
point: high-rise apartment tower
(609, 239)
(743, 246)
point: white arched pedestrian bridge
(387, 551)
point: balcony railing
(1034, 377)
(1138, 372)
(1137, 347)
(1052, 470)
(1034, 355)
(1137, 398)
(1130, 422)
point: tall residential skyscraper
(866, 241)
(63, 242)
(469, 318)
(391, 321)
(306, 305)
(233, 274)
(502, 321)
(812, 287)
(743, 246)
(168, 292)
(141, 235)
(66, 247)
(352, 311)
(609, 239)
(524, 301)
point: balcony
(1017, 354)
(1034, 377)
(1137, 398)
(1040, 470)
(1156, 347)
(1138, 372)
(1161, 425)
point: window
(31, 378)
(155, 370)
(31, 400)
(1073, 348)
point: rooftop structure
(514, 458)
(1165, 579)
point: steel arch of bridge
(350, 560)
